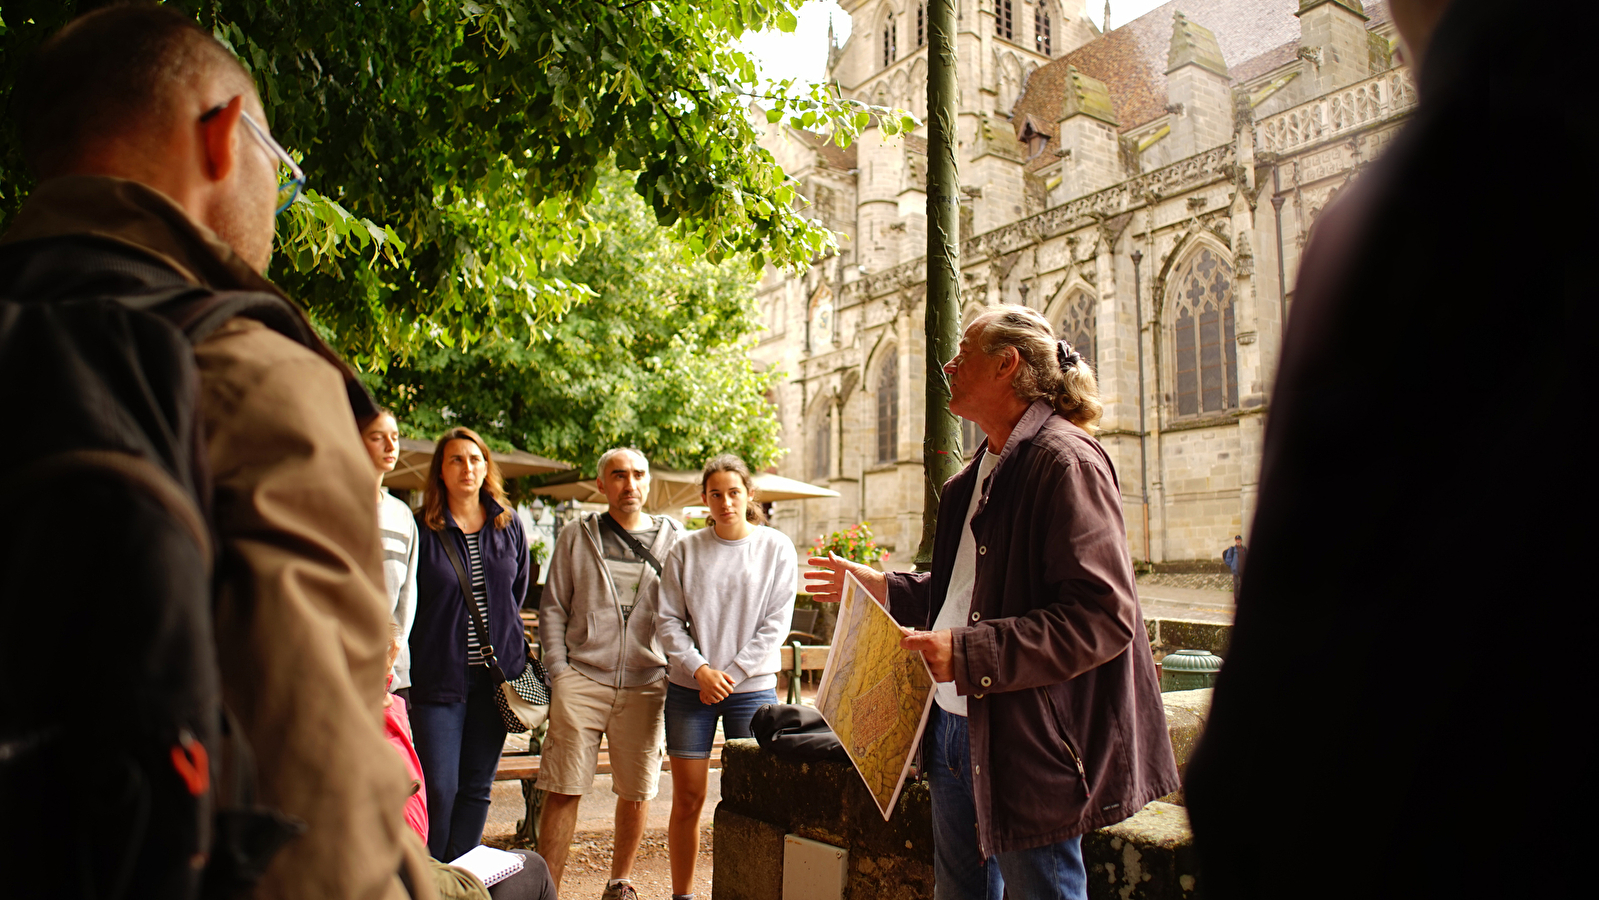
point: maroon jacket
(1067, 728)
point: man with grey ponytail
(1048, 722)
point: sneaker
(623, 891)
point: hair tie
(1066, 356)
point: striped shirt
(480, 596)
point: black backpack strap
(632, 542)
(485, 646)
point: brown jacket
(301, 620)
(1067, 729)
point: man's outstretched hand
(827, 585)
(937, 647)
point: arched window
(1207, 356)
(1041, 34)
(1079, 325)
(921, 24)
(822, 445)
(888, 407)
(1004, 23)
(890, 44)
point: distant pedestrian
(467, 521)
(727, 600)
(397, 529)
(597, 621)
(1234, 558)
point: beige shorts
(633, 722)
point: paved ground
(1167, 602)
(588, 864)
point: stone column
(1251, 373)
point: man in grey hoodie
(597, 625)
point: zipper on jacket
(1082, 773)
(597, 541)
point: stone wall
(1147, 857)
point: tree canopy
(656, 359)
(454, 148)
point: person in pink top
(532, 882)
(397, 728)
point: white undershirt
(958, 600)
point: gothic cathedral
(1148, 188)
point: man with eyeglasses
(158, 178)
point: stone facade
(1148, 189)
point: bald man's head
(119, 75)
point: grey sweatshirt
(580, 618)
(728, 605)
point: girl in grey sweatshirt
(726, 603)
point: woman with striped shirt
(457, 728)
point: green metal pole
(941, 452)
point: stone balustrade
(1377, 99)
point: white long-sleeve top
(728, 605)
(399, 534)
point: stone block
(1186, 713)
(749, 858)
(827, 802)
(1147, 857)
(1181, 634)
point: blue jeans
(691, 725)
(459, 746)
(1051, 872)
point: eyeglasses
(291, 178)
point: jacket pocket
(581, 639)
(1073, 756)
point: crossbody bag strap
(485, 647)
(632, 542)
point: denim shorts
(691, 725)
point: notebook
(491, 866)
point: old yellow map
(874, 695)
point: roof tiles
(1131, 60)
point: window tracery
(1203, 330)
(888, 407)
(890, 48)
(1079, 325)
(822, 445)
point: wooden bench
(524, 767)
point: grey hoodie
(580, 621)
